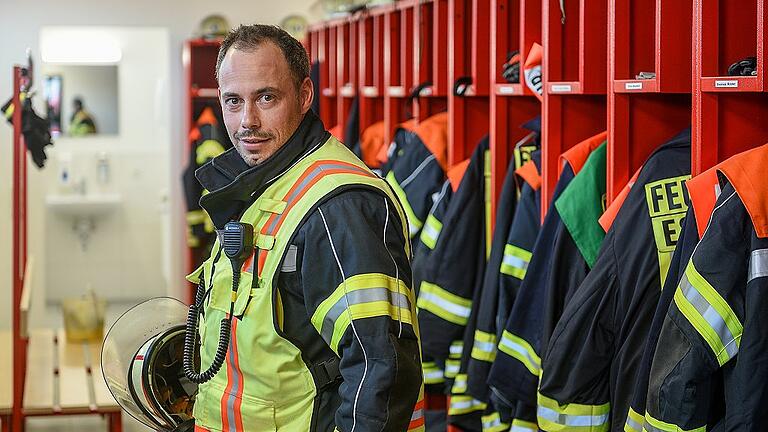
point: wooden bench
(61, 377)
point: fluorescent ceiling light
(79, 46)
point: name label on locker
(561, 88)
(727, 84)
(507, 90)
(633, 86)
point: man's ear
(306, 94)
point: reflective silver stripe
(571, 420)
(758, 264)
(453, 308)
(451, 369)
(365, 295)
(430, 231)
(515, 262)
(492, 423)
(715, 321)
(417, 171)
(488, 347)
(459, 384)
(419, 413)
(517, 427)
(456, 348)
(521, 350)
(462, 404)
(438, 374)
(651, 428)
(633, 424)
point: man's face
(262, 107)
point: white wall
(21, 25)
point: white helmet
(142, 363)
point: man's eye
(266, 98)
(232, 101)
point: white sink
(88, 206)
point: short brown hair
(249, 37)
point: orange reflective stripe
(577, 155)
(606, 220)
(746, 172)
(232, 398)
(456, 173)
(530, 174)
(201, 429)
(417, 419)
(703, 195)
(313, 174)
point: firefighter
(707, 372)
(323, 322)
(591, 359)
(81, 123)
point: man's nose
(250, 118)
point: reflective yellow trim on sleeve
(520, 349)
(414, 223)
(515, 261)
(709, 313)
(452, 367)
(362, 296)
(634, 422)
(195, 217)
(552, 416)
(492, 423)
(455, 350)
(459, 384)
(431, 231)
(444, 304)
(654, 425)
(432, 373)
(459, 405)
(523, 426)
(484, 348)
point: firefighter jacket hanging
(36, 130)
(592, 357)
(454, 266)
(516, 221)
(328, 289)
(708, 370)
(543, 286)
(419, 172)
(208, 140)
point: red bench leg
(6, 421)
(114, 421)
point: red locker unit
(575, 74)
(469, 75)
(431, 67)
(346, 68)
(370, 31)
(649, 94)
(515, 25)
(730, 114)
(320, 53)
(398, 60)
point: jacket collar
(234, 185)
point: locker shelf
(730, 84)
(651, 38)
